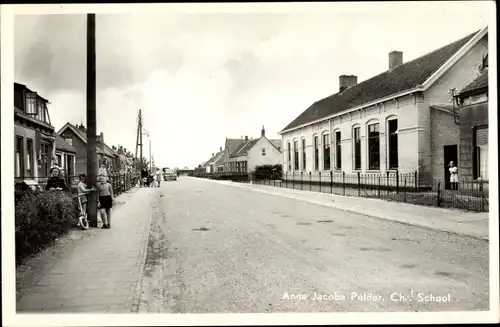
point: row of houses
(242, 155)
(38, 146)
(416, 116)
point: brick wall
(81, 151)
(470, 116)
(444, 132)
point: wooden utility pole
(150, 162)
(91, 120)
(139, 140)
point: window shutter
(482, 137)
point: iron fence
(121, 182)
(391, 186)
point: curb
(360, 212)
(135, 305)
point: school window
(18, 159)
(303, 154)
(30, 104)
(316, 153)
(338, 150)
(357, 147)
(296, 155)
(393, 143)
(373, 147)
(481, 165)
(289, 156)
(29, 158)
(326, 152)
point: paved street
(218, 248)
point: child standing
(106, 200)
(83, 191)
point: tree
(143, 164)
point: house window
(357, 147)
(41, 112)
(59, 160)
(263, 151)
(29, 158)
(338, 150)
(326, 152)
(44, 158)
(30, 105)
(296, 155)
(393, 143)
(289, 156)
(481, 140)
(316, 153)
(69, 140)
(18, 159)
(303, 154)
(373, 147)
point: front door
(450, 154)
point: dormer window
(30, 107)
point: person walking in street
(83, 191)
(453, 176)
(158, 176)
(106, 200)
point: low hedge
(41, 217)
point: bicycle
(83, 221)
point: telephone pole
(91, 119)
(150, 162)
(139, 139)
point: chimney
(220, 149)
(395, 59)
(213, 154)
(263, 132)
(346, 81)
(246, 137)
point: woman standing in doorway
(453, 176)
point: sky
(202, 77)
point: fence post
(439, 194)
(286, 179)
(405, 191)
(293, 180)
(343, 181)
(397, 181)
(331, 181)
(359, 184)
(301, 180)
(320, 182)
(310, 182)
(388, 186)
(378, 193)
(416, 180)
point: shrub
(40, 218)
(268, 172)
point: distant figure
(158, 177)
(453, 176)
(56, 182)
(103, 171)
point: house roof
(62, 145)
(220, 159)
(24, 87)
(243, 148)
(232, 144)
(276, 143)
(83, 136)
(479, 84)
(402, 78)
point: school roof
(404, 77)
